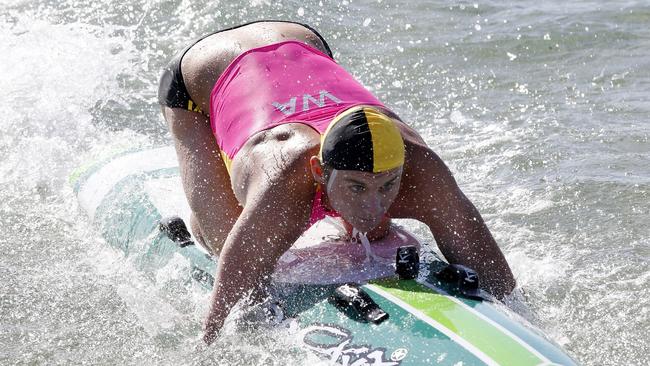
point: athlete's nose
(373, 206)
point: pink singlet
(285, 82)
(280, 83)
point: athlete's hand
(211, 328)
(214, 321)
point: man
(248, 108)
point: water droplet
(366, 22)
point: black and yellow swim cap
(363, 139)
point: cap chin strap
(370, 256)
(328, 187)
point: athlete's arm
(273, 218)
(432, 196)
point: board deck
(127, 195)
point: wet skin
(362, 198)
(251, 217)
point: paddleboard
(428, 321)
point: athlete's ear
(317, 170)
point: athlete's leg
(205, 180)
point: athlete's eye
(357, 188)
(388, 186)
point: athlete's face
(363, 198)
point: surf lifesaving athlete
(272, 134)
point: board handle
(176, 230)
(357, 304)
(407, 262)
(464, 280)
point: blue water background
(540, 109)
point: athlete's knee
(198, 234)
(187, 126)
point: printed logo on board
(471, 277)
(336, 345)
(399, 354)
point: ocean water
(541, 110)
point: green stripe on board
(485, 337)
(92, 165)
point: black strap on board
(175, 229)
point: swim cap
(363, 139)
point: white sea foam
(543, 124)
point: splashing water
(540, 110)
